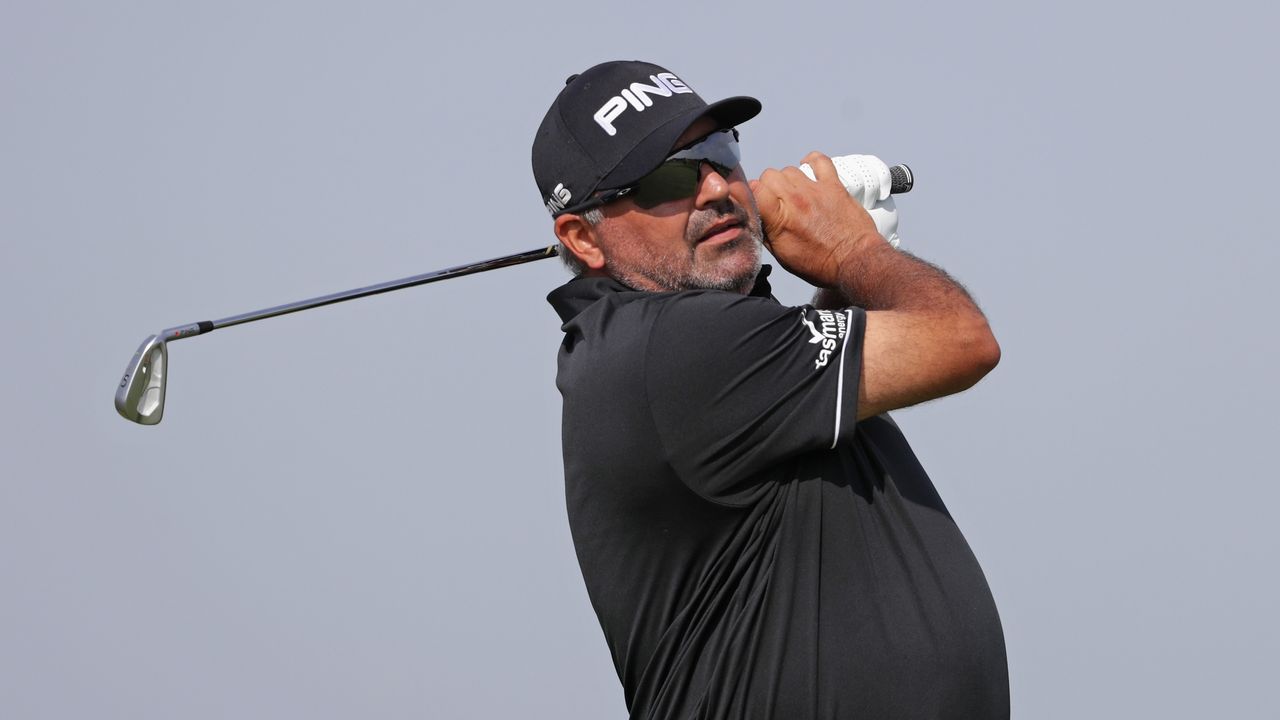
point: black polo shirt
(750, 549)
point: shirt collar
(580, 293)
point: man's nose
(712, 186)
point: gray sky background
(358, 511)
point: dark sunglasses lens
(671, 181)
(677, 178)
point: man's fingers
(796, 176)
(768, 191)
(823, 169)
(789, 191)
(765, 190)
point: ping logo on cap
(559, 199)
(639, 96)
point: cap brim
(655, 148)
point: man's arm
(925, 337)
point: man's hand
(925, 337)
(868, 180)
(813, 228)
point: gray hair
(592, 217)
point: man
(756, 536)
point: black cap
(615, 123)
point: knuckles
(816, 157)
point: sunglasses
(678, 176)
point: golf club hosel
(186, 331)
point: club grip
(903, 180)
(901, 177)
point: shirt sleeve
(737, 384)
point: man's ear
(581, 238)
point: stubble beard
(732, 266)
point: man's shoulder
(685, 316)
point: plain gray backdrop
(358, 511)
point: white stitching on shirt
(840, 378)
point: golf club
(140, 395)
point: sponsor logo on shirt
(830, 328)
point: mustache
(703, 220)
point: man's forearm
(925, 336)
(891, 279)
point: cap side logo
(559, 199)
(639, 96)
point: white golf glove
(868, 181)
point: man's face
(709, 241)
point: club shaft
(184, 331)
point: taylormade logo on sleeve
(834, 326)
(639, 96)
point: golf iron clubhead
(140, 397)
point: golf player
(757, 538)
